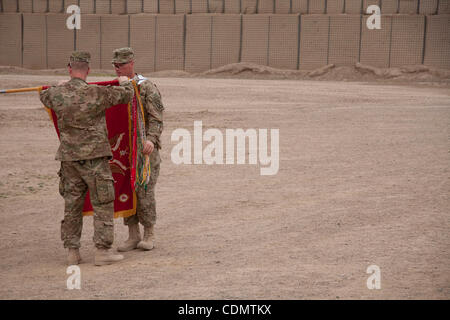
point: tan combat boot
(105, 256)
(73, 256)
(148, 242)
(134, 237)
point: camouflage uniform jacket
(153, 109)
(80, 110)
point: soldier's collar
(78, 79)
(139, 78)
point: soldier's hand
(122, 79)
(61, 82)
(148, 147)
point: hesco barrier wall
(198, 35)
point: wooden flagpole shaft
(21, 90)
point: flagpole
(19, 90)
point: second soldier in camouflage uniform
(84, 153)
(123, 61)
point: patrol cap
(80, 56)
(123, 55)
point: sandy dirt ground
(364, 179)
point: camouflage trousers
(76, 178)
(146, 204)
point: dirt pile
(358, 72)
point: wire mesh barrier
(34, 44)
(88, 38)
(143, 40)
(228, 6)
(197, 35)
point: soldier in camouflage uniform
(84, 153)
(123, 61)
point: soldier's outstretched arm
(45, 98)
(111, 96)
